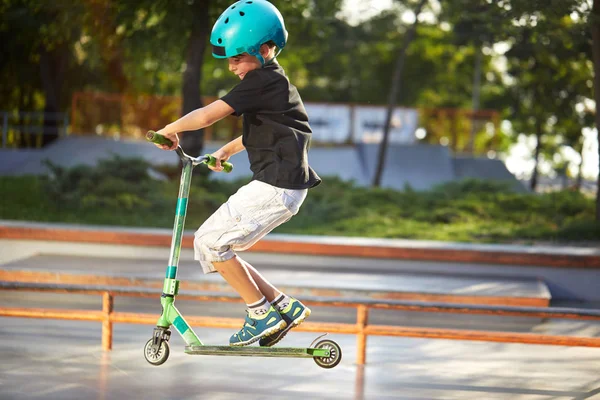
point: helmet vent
(220, 40)
(248, 2)
(232, 7)
(242, 13)
(227, 20)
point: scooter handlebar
(153, 137)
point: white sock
(281, 302)
(259, 308)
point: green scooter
(326, 353)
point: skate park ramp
(485, 168)
(79, 150)
(418, 166)
(13, 160)
(343, 162)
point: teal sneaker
(293, 315)
(257, 327)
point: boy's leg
(262, 319)
(252, 212)
(292, 310)
(265, 287)
(239, 278)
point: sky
(356, 11)
(519, 160)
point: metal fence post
(4, 129)
(362, 319)
(107, 325)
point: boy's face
(242, 64)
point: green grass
(468, 212)
(117, 194)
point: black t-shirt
(276, 132)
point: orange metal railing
(361, 328)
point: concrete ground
(47, 359)
(63, 360)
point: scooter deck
(296, 352)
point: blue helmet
(244, 26)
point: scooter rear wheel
(335, 354)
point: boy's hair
(271, 44)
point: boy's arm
(223, 154)
(197, 119)
(200, 118)
(233, 147)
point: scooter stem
(170, 315)
(180, 212)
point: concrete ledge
(528, 293)
(547, 256)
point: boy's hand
(172, 137)
(220, 155)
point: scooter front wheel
(156, 356)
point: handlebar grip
(212, 161)
(153, 137)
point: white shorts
(248, 215)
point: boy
(276, 135)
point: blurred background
(470, 120)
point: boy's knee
(206, 239)
(204, 245)
(208, 249)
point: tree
(102, 22)
(548, 62)
(39, 37)
(193, 142)
(476, 24)
(20, 77)
(556, 10)
(396, 85)
(595, 28)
